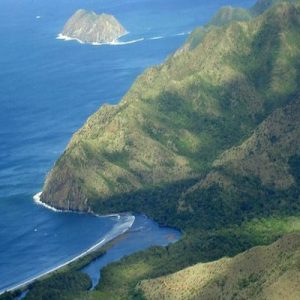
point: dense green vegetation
(10, 295)
(60, 286)
(206, 142)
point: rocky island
(89, 27)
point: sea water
(143, 234)
(48, 87)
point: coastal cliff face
(179, 117)
(88, 27)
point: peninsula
(89, 27)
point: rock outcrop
(88, 27)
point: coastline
(117, 231)
(37, 200)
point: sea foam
(37, 200)
(116, 42)
(113, 43)
(67, 38)
(156, 38)
(182, 33)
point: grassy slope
(266, 272)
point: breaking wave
(118, 42)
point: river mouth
(143, 234)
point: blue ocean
(48, 88)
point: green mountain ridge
(225, 16)
(179, 116)
(265, 272)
